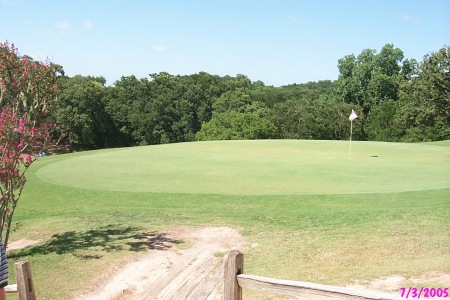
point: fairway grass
(373, 225)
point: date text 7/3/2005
(423, 293)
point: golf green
(263, 167)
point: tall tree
(233, 125)
(81, 113)
(347, 86)
(382, 123)
(316, 119)
(425, 109)
(235, 100)
(28, 92)
(371, 78)
(125, 102)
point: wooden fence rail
(235, 280)
(24, 286)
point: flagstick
(351, 118)
(351, 131)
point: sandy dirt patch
(20, 244)
(170, 273)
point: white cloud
(292, 18)
(88, 24)
(62, 27)
(160, 48)
(409, 18)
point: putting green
(269, 167)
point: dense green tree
(166, 108)
(179, 105)
(235, 100)
(309, 90)
(268, 95)
(347, 87)
(233, 125)
(124, 102)
(371, 78)
(382, 122)
(208, 89)
(80, 112)
(387, 75)
(425, 107)
(240, 81)
(313, 119)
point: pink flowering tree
(28, 91)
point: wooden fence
(24, 286)
(235, 280)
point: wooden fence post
(233, 266)
(24, 280)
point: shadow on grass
(90, 244)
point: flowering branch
(27, 93)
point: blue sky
(276, 41)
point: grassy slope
(330, 238)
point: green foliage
(124, 102)
(371, 78)
(402, 100)
(320, 120)
(310, 90)
(422, 112)
(268, 95)
(166, 109)
(233, 125)
(81, 113)
(405, 101)
(382, 124)
(425, 109)
(233, 100)
(178, 107)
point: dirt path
(193, 273)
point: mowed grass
(273, 167)
(310, 210)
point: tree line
(396, 100)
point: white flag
(352, 116)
